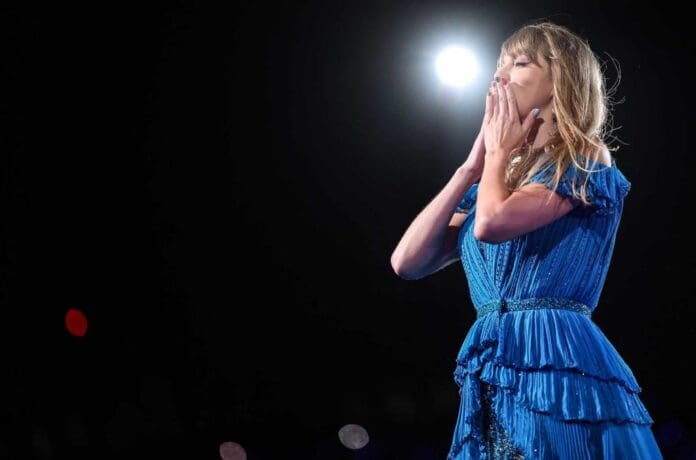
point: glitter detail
(496, 441)
(533, 303)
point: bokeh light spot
(232, 451)
(353, 436)
(76, 322)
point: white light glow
(456, 66)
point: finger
(489, 107)
(512, 105)
(528, 122)
(495, 102)
(535, 130)
(502, 100)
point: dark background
(219, 189)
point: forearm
(492, 191)
(423, 239)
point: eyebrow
(511, 55)
(502, 60)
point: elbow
(398, 268)
(396, 265)
(483, 231)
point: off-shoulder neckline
(601, 167)
(604, 167)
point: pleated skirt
(564, 440)
(546, 383)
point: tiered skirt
(546, 384)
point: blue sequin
(537, 303)
(496, 441)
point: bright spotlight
(456, 66)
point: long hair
(580, 105)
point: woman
(533, 215)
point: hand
(503, 131)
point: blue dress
(538, 379)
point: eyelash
(519, 63)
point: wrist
(496, 153)
(465, 171)
(497, 157)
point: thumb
(529, 120)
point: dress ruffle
(606, 186)
(551, 366)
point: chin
(522, 110)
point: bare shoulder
(604, 156)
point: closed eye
(521, 63)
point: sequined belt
(533, 303)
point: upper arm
(449, 251)
(529, 208)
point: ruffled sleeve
(606, 186)
(467, 202)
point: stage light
(76, 322)
(353, 436)
(456, 66)
(232, 451)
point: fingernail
(535, 112)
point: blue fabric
(563, 390)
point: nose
(500, 74)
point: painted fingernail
(535, 112)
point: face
(529, 82)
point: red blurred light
(76, 322)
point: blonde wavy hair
(580, 105)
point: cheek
(530, 90)
(521, 93)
